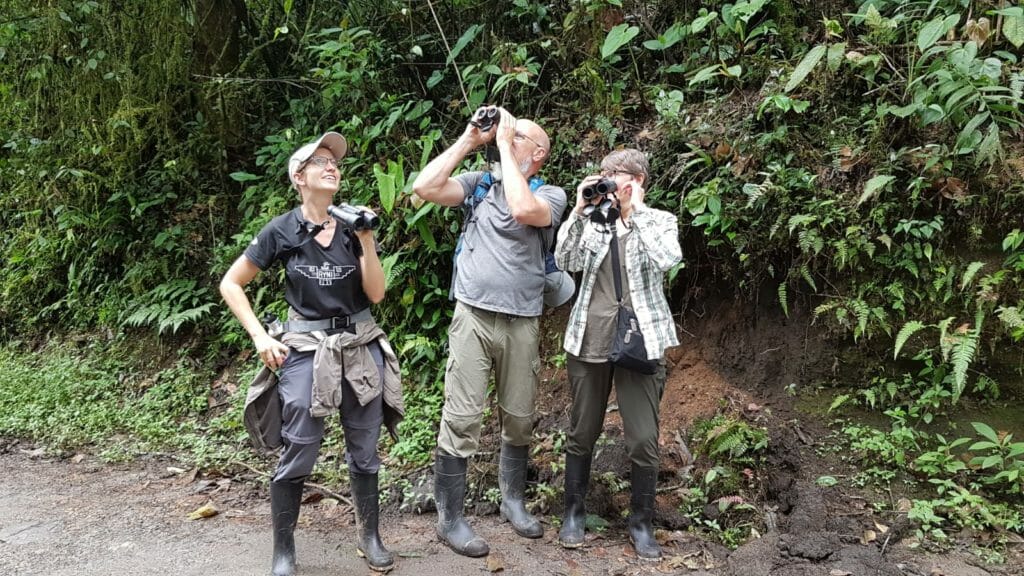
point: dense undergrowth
(863, 158)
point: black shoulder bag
(628, 349)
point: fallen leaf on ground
(495, 562)
(868, 537)
(203, 512)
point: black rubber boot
(450, 494)
(574, 520)
(285, 499)
(641, 531)
(512, 482)
(366, 497)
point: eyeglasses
(612, 173)
(320, 162)
(520, 137)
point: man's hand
(505, 130)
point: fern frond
(806, 273)
(842, 254)
(1011, 317)
(862, 312)
(964, 349)
(972, 270)
(945, 341)
(783, 300)
(908, 330)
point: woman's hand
(272, 352)
(366, 234)
(580, 202)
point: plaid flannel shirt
(651, 249)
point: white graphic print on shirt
(326, 273)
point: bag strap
(615, 264)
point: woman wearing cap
(646, 245)
(331, 356)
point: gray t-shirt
(501, 266)
(603, 312)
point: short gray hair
(630, 161)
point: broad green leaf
(934, 30)
(805, 66)
(835, 56)
(426, 234)
(986, 431)
(435, 78)
(874, 186)
(386, 187)
(969, 136)
(990, 148)
(701, 22)
(1011, 11)
(670, 38)
(468, 36)
(1013, 30)
(903, 111)
(243, 176)
(705, 74)
(992, 68)
(618, 37)
(992, 461)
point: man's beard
(524, 166)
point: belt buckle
(335, 324)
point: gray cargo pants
(301, 433)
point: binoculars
(485, 118)
(354, 217)
(602, 187)
(605, 212)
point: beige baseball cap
(331, 140)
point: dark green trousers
(639, 399)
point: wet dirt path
(61, 518)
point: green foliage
(735, 440)
(999, 453)
(859, 161)
(170, 305)
(72, 399)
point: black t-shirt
(320, 282)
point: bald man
(510, 216)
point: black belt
(334, 323)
